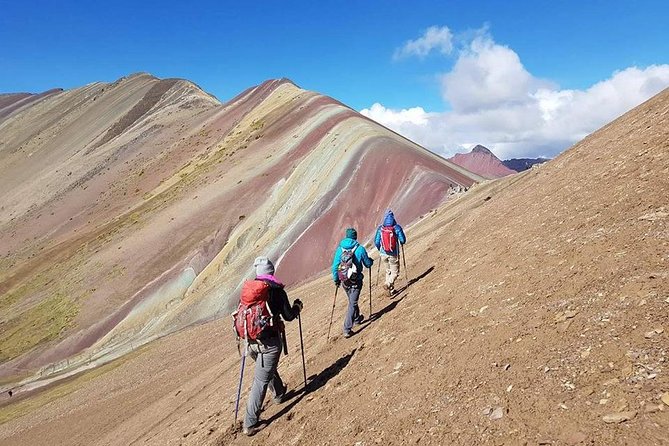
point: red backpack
(388, 239)
(253, 314)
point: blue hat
(389, 218)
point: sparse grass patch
(257, 125)
(8, 299)
(28, 287)
(41, 323)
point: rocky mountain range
(483, 162)
(135, 208)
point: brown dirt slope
(537, 307)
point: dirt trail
(538, 309)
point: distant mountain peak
(482, 149)
(482, 161)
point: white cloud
(487, 75)
(496, 102)
(434, 37)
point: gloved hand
(298, 305)
(337, 283)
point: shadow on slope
(391, 306)
(315, 382)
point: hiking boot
(250, 431)
(360, 319)
(348, 334)
(389, 290)
(279, 398)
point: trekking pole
(304, 365)
(404, 260)
(239, 389)
(370, 291)
(378, 273)
(333, 307)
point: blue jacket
(360, 258)
(389, 220)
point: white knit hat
(264, 266)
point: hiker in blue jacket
(389, 237)
(347, 265)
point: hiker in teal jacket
(353, 283)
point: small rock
(508, 389)
(621, 406)
(652, 408)
(486, 412)
(603, 401)
(628, 370)
(497, 413)
(564, 326)
(665, 398)
(575, 438)
(570, 314)
(654, 216)
(587, 391)
(619, 417)
(507, 366)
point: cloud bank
(496, 102)
(439, 38)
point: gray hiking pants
(266, 357)
(353, 311)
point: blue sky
(343, 49)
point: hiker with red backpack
(258, 321)
(389, 237)
(347, 265)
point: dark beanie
(351, 233)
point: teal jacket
(360, 258)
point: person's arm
(400, 234)
(377, 238)
(366, 261)
(335, 264)
(282, 305)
